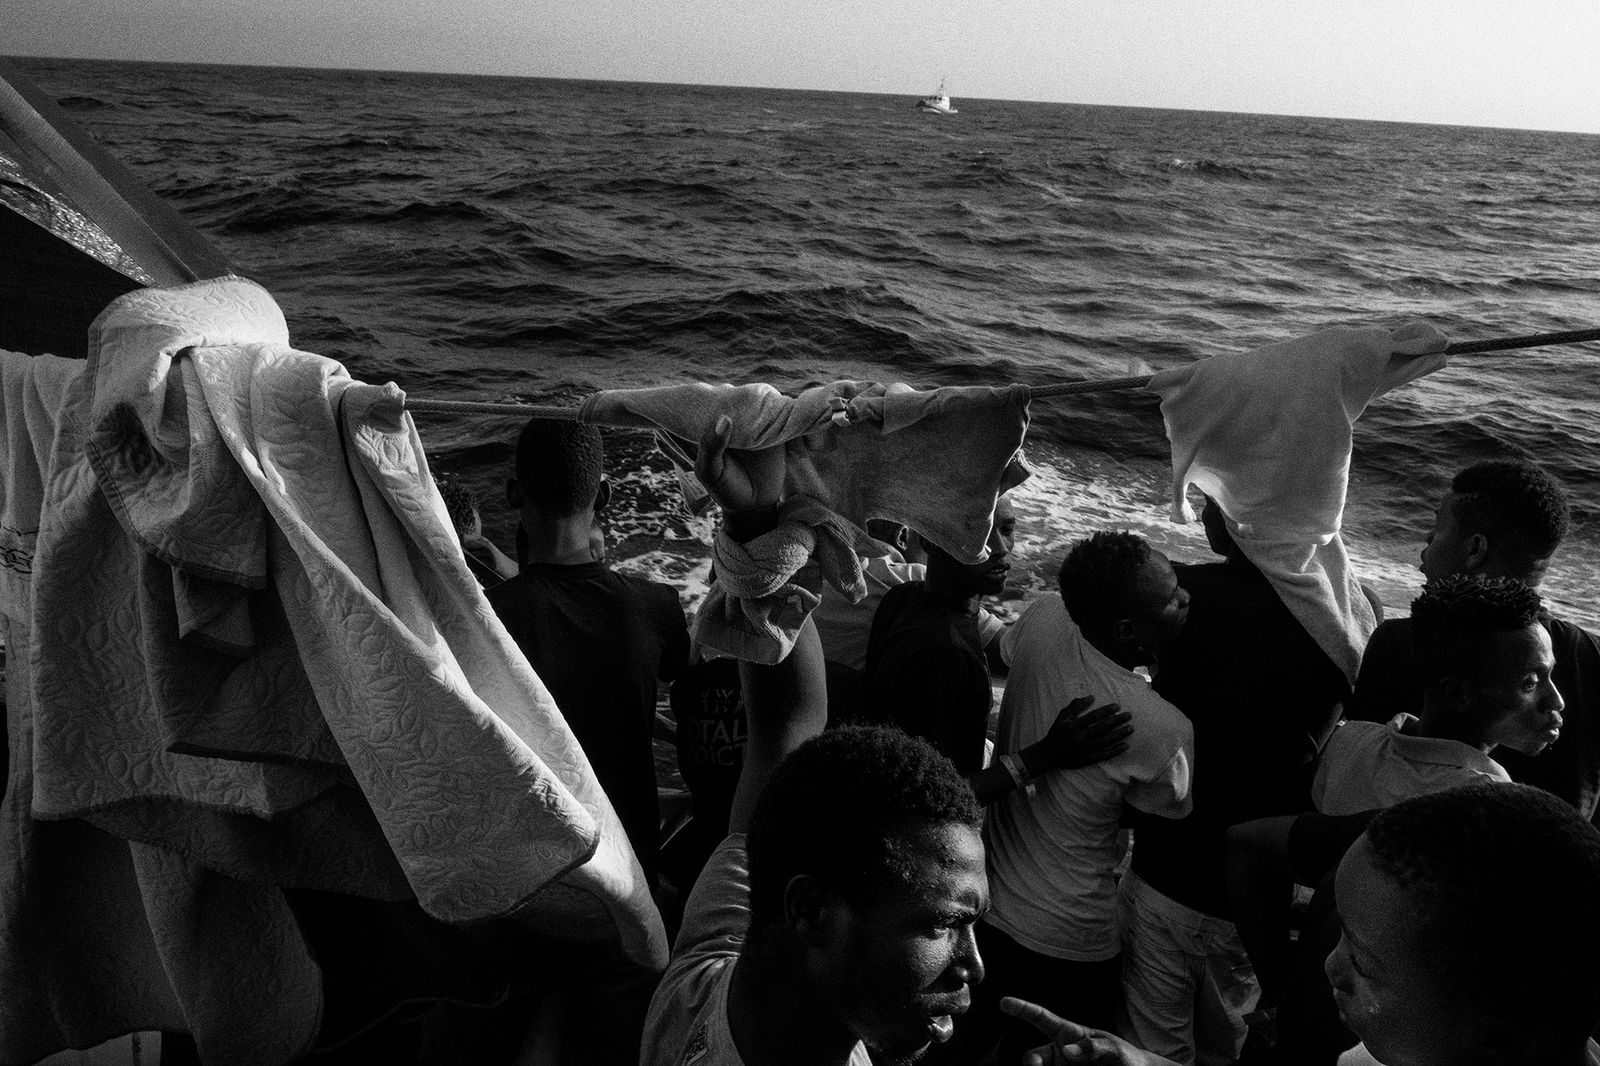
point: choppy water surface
(496, 238)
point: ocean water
(532, 239)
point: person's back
(1054, 850)
(1261, 694)
(599, 640)
(1052, 933)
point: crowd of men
(1189, 838)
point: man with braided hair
(1485, 664)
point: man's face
(989, 576)
(1445, 551)
(1160, 605)
(1385, 992)
(900, 967)
(1512, 693)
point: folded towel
(1267, 435)
(759, 601)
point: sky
(1532, 64)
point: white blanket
(1267, 435)
(257, 646)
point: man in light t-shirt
(1052, 933)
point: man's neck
(1440, 724)
(776, 1021)
(948, 588)
(558, 542)
(1115, 650)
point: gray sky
(1518, 63)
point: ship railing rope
(1035, 392)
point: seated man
(1052, 933)
(843, 921)
(598, 639)
(926, 668)
(1448, 905)
(1485, 665)
(1503, 518)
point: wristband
(1018, 772)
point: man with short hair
(1470, 932)
(1502, 518)
(1468, 938)
(926, 669)
(1485, 665)
(843, 921)
(599, 640)
(1052, 932)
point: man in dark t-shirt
(926, 668)
(599, 640)
(1502, 518)
(1260, 694)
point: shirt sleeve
(674, 631)
(1167, 794)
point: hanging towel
(1267, 435)
(30, 397)
(359, 723)
(931, 460)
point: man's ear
(1453, 693)
(602, 495)
(810, 910)
(1124, 631)
(1476, 556)
(513, 494)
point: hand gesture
(742, 482)
(1071, 1042)
(1083, 737)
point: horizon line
(784, 88)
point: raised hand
(744, 483)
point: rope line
(1036, 392)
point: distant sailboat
(939, 102)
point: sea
(529, 239)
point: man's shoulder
(1571, 635)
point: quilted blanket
(258, 662)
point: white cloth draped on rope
(256, 651)
(1267, 434)
(931, 460)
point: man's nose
(968, 958)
